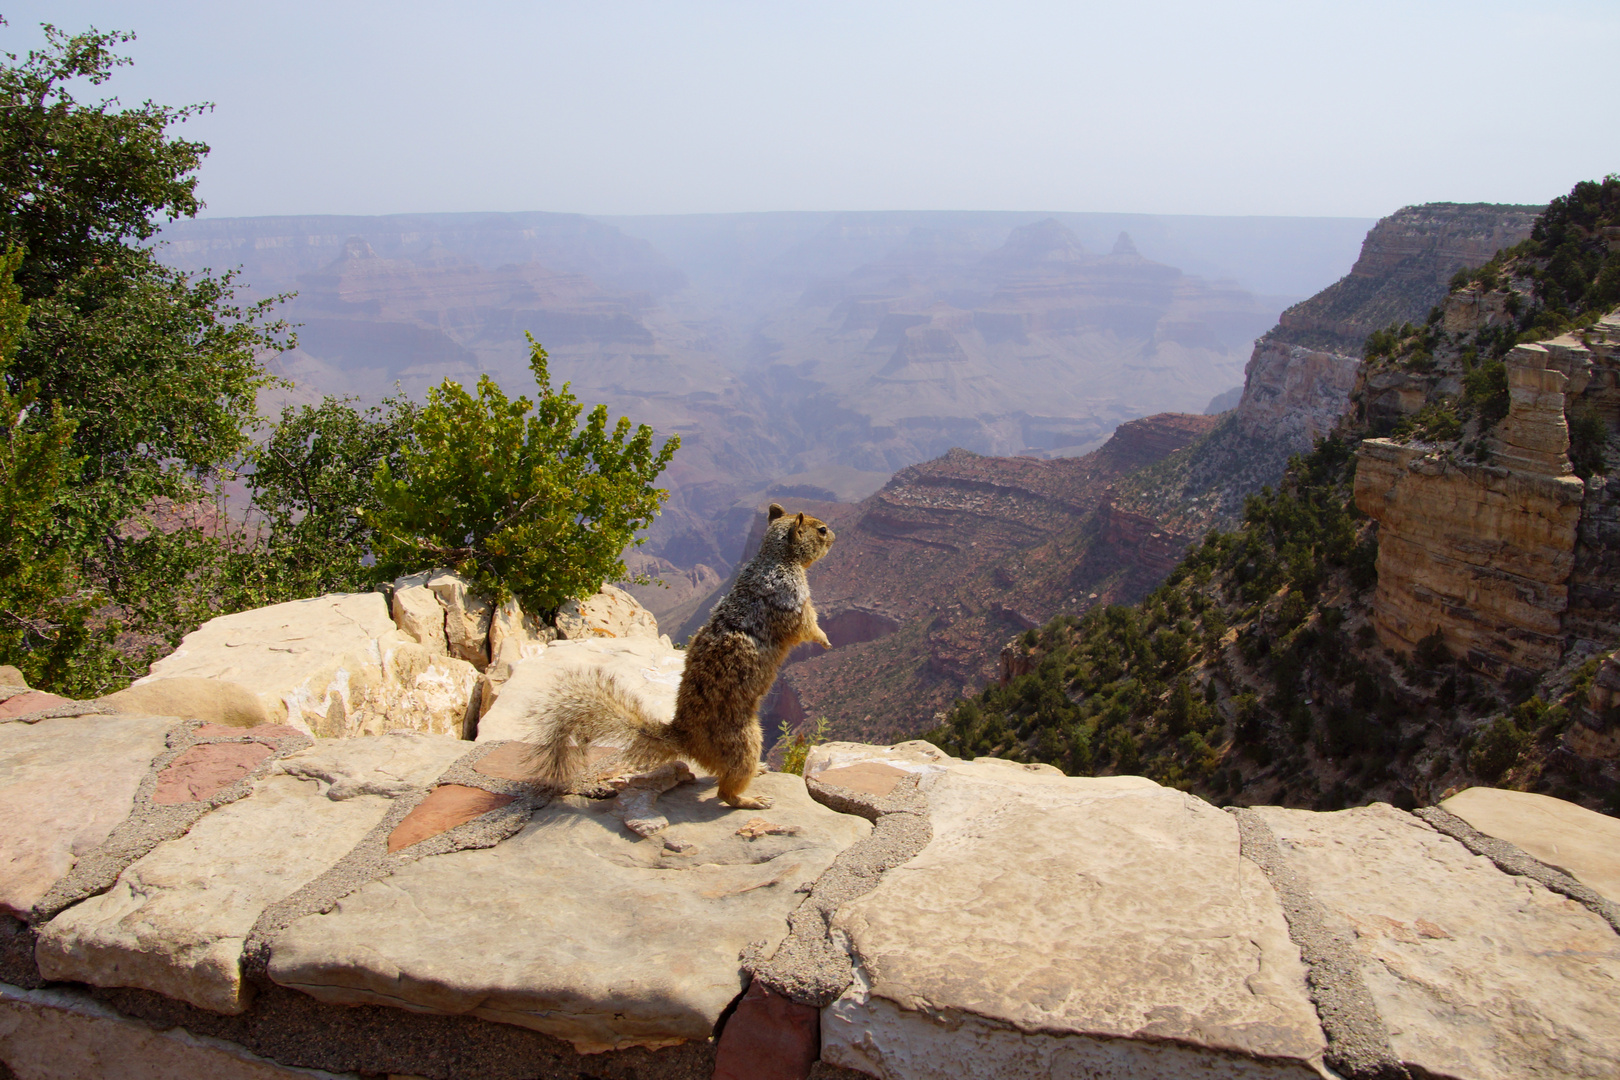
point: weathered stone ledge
(411, 904)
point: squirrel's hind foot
(749, 802)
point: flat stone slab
(65, 783)
(915, 756)
(649, 666)
(201, 771)
(1476, 973)
(1582, 843)
(446, 807)
(576, 927)
(177, 918)
(1067, 926)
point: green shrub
(1431, 651)
(44, 608)
(1588, 439)
(312, 485)
(532, 505)
(1497, 749)
(796, 746)
(1485, 389)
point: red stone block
(33, 701)
(447, 806)
(204, 770)
(269, 732)
(769, 1037)
(871, 777)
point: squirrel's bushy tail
(585, 706)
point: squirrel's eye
(822, 530)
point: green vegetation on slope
(1253, 674)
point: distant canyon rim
(798, 355)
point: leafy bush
(1588, 440)
(1431, 651)
(151, 375)
(44, 609)
(796, 746)
(1435, 422)
(312, 485)
(1497, 749)
(532, 505)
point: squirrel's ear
(774, 512)
(800, 522)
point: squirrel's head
(797, 538)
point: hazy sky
(1295, 107)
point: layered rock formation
(1302, 373)
(1165, 490)
(1405, 266)
(1484, 553)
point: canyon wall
(1302, 373)
(1485, 553)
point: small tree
(533, 505)
(312, 487)
(42, 610)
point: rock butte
(1487, 553)
(405, 903)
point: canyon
(958, 564)
(801, 355)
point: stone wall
(411, 905)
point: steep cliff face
(1301, 374)
(1480, 553)
(1484, 552)
(1405, 265)
(1429, 599)
(965, 551)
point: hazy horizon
(641, 110)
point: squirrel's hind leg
(741, 764)
(732, 786)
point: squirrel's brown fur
(730, 664)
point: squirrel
(730, 664)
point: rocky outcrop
(1302, 374)
(332, 666)
(338, 665)
(1479, 552)
(1404, 267)
(1486, 553)
(1136, 539)
(1292, 394)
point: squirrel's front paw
(823, 642)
